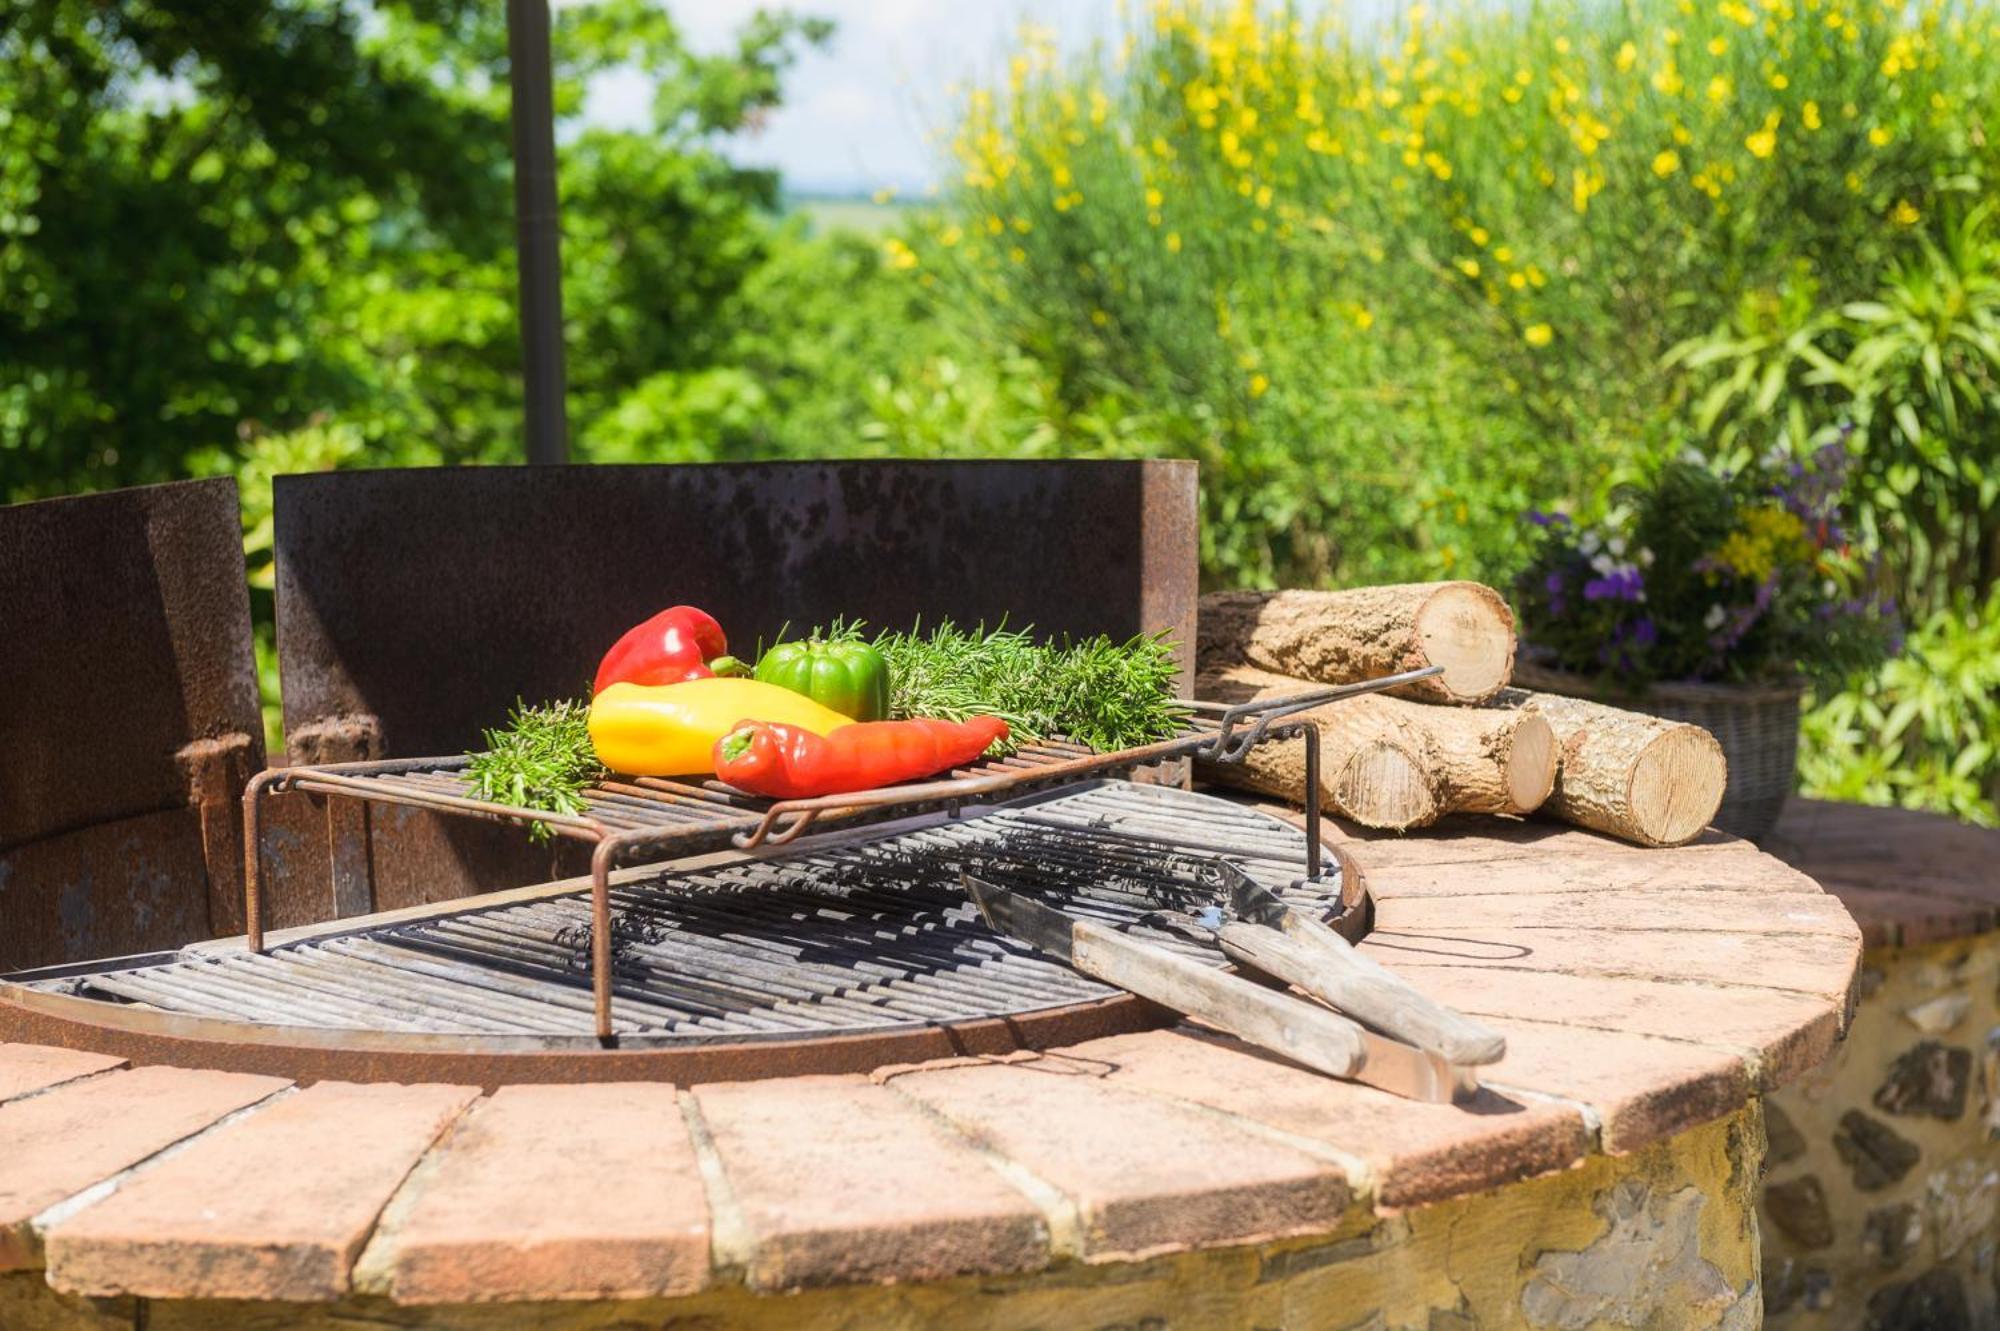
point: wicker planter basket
(1756, 724)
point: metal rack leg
(1312, 802)
(253, 856)
(600, 934)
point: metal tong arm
(1290, 945)
(1271, 1019)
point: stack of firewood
(1459, 742)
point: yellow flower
(1666, 163)
(1667, 79)
(1762, 143)
(1780, 82)
(1538, 335)
(1173, 242)
(1154, 198)
(1718, 45)
(1809, 115)
(1905, 213)
(1518, 281)
(950, 236)
(1470, 267)
(1100, 318)
(1718, 89)
(1628, 56)
(898, 254)
(1478, 236)
(1260, 384)
(1363, 319)
(1879, 136)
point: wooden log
(1388, 763)
(1348, 636)
(1633, 776)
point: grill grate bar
(852, 935)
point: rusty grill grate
(865, 934)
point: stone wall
(1884, 1169)
(1665, 1237)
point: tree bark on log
(1633, 776)
(1387, 763)
(1347, 636)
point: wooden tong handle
(1318, 960)
(1265, 1017)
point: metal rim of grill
(844, 953)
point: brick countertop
(1906, 877)
(1641, 993)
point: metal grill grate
(865, 934)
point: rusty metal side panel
(419, 604)
(131, 885)
(127, 686)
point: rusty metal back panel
(127, 689)
(414, 606)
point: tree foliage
(216, 220)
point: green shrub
(1924, 732)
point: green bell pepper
(849, 677)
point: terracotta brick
(1144, 1174)
(1822, 965)
(1486, 840)
(1413, 1152)
(550, 1192)
(1586, 870)
(1642, 1089)
(1686, 912)
(839, 1180)
(26, 1068)
(275, 1206)
(1787, 1034)
(56, 1145)
(1902, 918)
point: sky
(858, 116)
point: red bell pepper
(672, 647)
(788, 762)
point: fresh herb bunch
(1106, 694)
(1707, 574)
(541, 759)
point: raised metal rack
(626, 816)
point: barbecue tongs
(1416, 1048)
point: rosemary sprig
(541, 759)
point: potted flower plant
(1710, 595)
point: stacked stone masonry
(1882, 1192)
(1170, 1179)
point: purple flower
(1620, 584)
(1541, 519)
(1645, 633)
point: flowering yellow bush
(1366, 275)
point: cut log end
(1531, 764)
(1467, 629)
(1385, 785)
(1676, 786)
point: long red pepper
(672, 647)
(785, 762)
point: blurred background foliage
(1393, 287)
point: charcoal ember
(1929, 1078)
(1876, 1153)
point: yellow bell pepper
(671, 729)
